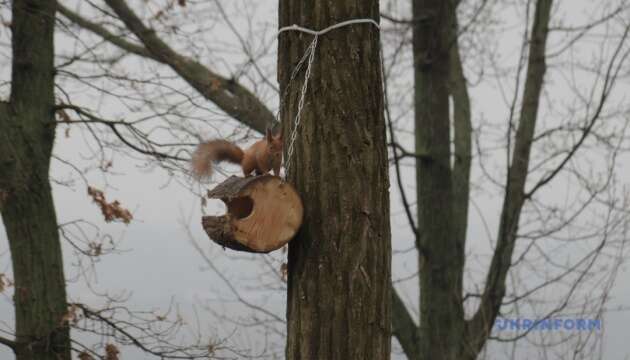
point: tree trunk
(441, 253)
(26, 139)
(339, 264)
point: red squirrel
(263, 156)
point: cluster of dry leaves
(111, 211)
(111, 353)
(65, 118)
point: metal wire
(298, 116)
(310, 55)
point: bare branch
(480, 325)
(104, 33)
(395, 147)
(609, 81)
(163, 350)
(113, 125)
(10, 343)
(404, 328)
(227, 94)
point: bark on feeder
(263, 214)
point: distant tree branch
(147, 149)
(231, 97)
(104, 33)
(481, 323)
(406, 153)
(395, 20)
(611, 75)
(10, 343)
(395, 147)
(165, 351)
(404, 328)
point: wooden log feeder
(263, 214)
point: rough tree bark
(438, 75)
(26, 139)
(441, 254)
(339, 264)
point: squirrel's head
(274, 141)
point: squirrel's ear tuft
(269, 134)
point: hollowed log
(263, 214)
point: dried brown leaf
(215, 84)
(71, 316)
(5, 282)
(85, 356)
(111, 352)
(64, 116)
(111, 211)
(284, 270)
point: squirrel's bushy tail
(211, 151)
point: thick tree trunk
(339, 265)
(26, 139)
(443, 190)
(441, 252)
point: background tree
(456, 321)
(27, 130)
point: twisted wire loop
(298, 116)
(309, 55)
(295, 27)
